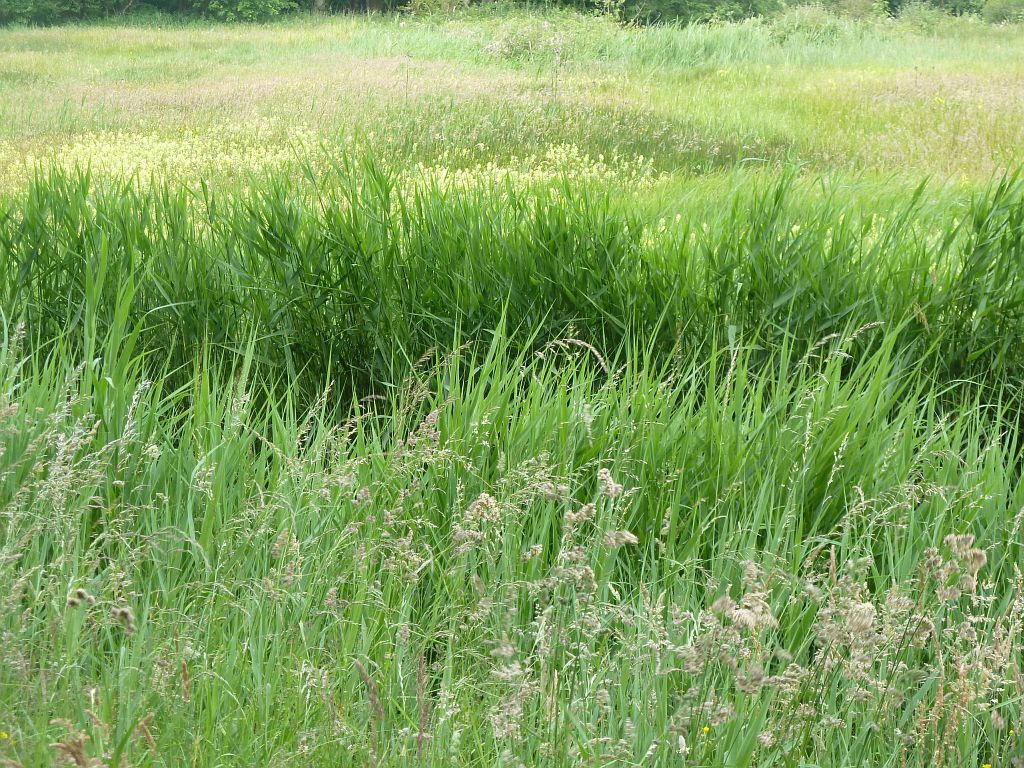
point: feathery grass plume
(616, 539)
(423, 704)
(376, 708)
(125, 617)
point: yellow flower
(707, 730)
(986, 765)
(4, 735)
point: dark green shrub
(56, 11)
(958, 7)
(697, 10)
(813, 23)
(857, 9)
(921, 17)
(918, 10)
(61, 11)
(1003, 11)
(247, 10)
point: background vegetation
(889, 102)
(646, 11)
(512, 389)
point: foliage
(365, 269)
(1003, 11)
(810, 23)
(492, 474)
(646, 11)
(54, 11)
(922, 17)
(247, 10)
(697, 10)
(511, 390)
(58, 11)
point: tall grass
(509, 389)
(356, 272)
(355, 469)
(512, 559)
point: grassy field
(920, 96)
(512, 389)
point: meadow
(512, 388)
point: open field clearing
(889, 97)
(512, 389)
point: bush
(60, 11)
(921, 17)
(55, 11)
(798, 20)
(929, 13)
(698, 10)
(813, 23)
(858, 9)
(1003, 11)
(248, 10)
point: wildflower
(706, 729)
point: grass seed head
(616, 539)
(609, 488)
